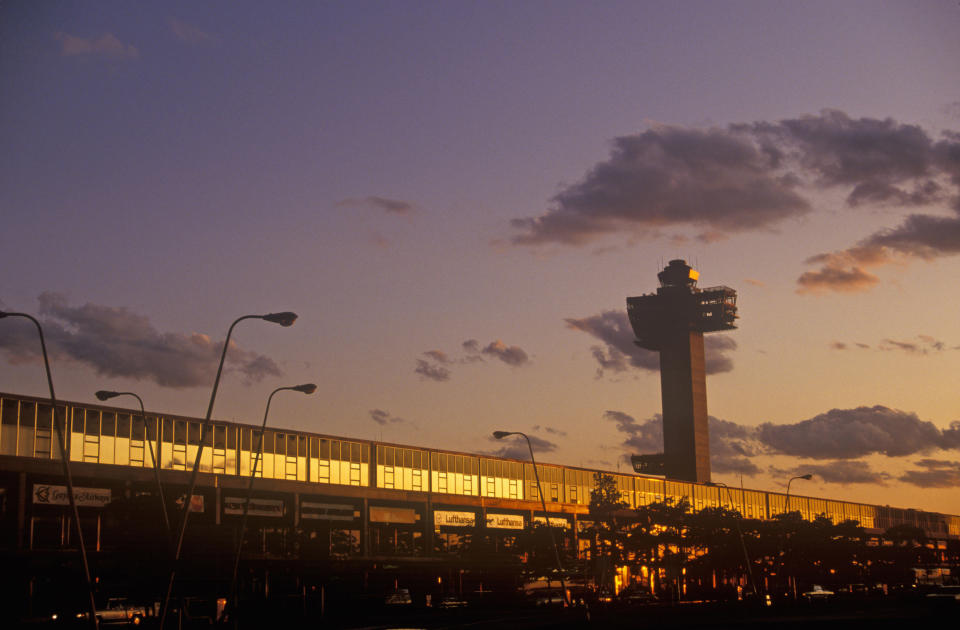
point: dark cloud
(732, 446)
(511, 355)
(920, 345)
(879, 193)
(904, 155)
(842, 150)
(841, 472)
(754, 176)
(430, 371)
(921, 235)
(717, 179)
(746, 176)
(515, 447)
(117, 342)
(438, 355)
(853, 433)
(382, 417)
(836, 277)
(641, 437)
(393, 206)
(841, 435)
(550, 430)
(933, 473)
(620, 353)
(437, 365)
(924, 344)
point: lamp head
(807, 476)
(284, 319)
(306, 388)
(502, 434)
(106, 395)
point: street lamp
(743, 545)
(285, 319)
(155, 459)
(556, 548)
(65, 459)
(806, 477)
(308, 389)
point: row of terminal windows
(106, 437)
(123, 439)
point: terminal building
(377, 505)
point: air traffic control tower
(672, 322)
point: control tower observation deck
(672, 322)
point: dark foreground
(822, 616)
(817, 617)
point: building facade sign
(313, 510)
(555, 521)
(443, 518)
(504, 521)
(233, 506)
(402, 516)
(45, 494)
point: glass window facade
(119, 438)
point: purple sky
(457, 197)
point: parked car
(818, 593)
(452, 601)
(636, 597)
(119, 610)
(548, 597)
(400, 597)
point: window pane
(123, 425)
(108, 424)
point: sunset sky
(457, 198)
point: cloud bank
(117, 342)
(842, 436)
(618, 352)
(756, 176)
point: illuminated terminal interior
(115, 438)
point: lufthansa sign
(555, 521)
(504, 521)
(44, 494)
(442, 518)
(258, 507)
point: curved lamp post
(155, 459)
(308, 389)
(556, 548)
(806, 477)
(65, 458)
(284, 319)
(743, 545)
